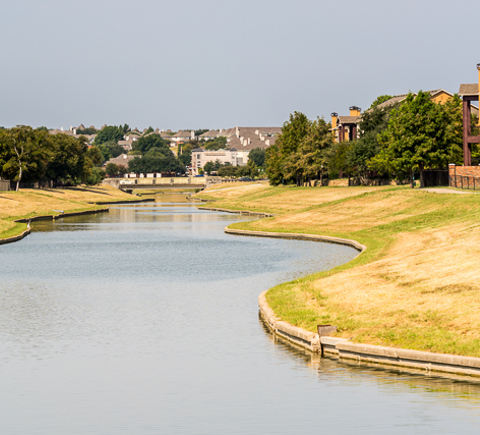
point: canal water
(145, 321)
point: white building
(200, 157)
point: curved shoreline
(16, 238)
(300, 236)
(244, 212)
(47, 217)
(343, 348)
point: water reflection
(328, 367)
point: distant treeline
(394, 142)
(35, 156)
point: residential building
(121, 160)
(200, 157)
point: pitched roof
(348, 119)
(399, 98)
(121, 160)
(469, 89)
(210, 133)
(248, 143)
(182, 133)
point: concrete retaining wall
(15, 238)
(244, 212)
(47, 217)
(343, 348)
(312, 237)
(62, 215)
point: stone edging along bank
(343, 348)
(246, 212)
(47, 217)
(16, 238)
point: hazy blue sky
(216, 64)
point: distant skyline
(217, 64)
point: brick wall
(465, 177)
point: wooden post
(467, 119)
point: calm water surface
(145, 321)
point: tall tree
(23, 149)
(110, 133)
(420, 135)
(69, 161)
(373, 122)
(145, 143)
(281, 158)
(258, 156)
(313, 150)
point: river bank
(415, 285)
(17, 208)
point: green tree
(379, 100)
(208, 167)
(215, 144)
(257, 155)
(88, 130)
(374, 121)
(95, 156)
(109, 133)
(112, 169)
(185, 154)
(420, 135)
(110, 149)
(282, 157)
(22, 149)
(95, 176)
(227, 170)
(68, 162)
(337, 160)
(312, 155)
(151, 141)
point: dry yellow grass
(35, 202)
(279, 199)
(416, 285)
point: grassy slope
(35, 202)
(415, 286)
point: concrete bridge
(129, 184)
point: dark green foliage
(156, 156)
(420, 135)
(23, 153)
(36, 156)
(95, 176)
(257, 155)
(109, 133)
(337, 159)
(300, 153)
(110, 149)
(379, 100)
(145, 143)
(68, 162)
(201, 131)
(88, 130)
(227, 171)
(215, 144)
(95, 156)
(112, 169)
(185, 154)
(374, 121)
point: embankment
(414, 287)
(17, 208)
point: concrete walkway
(446, 190)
